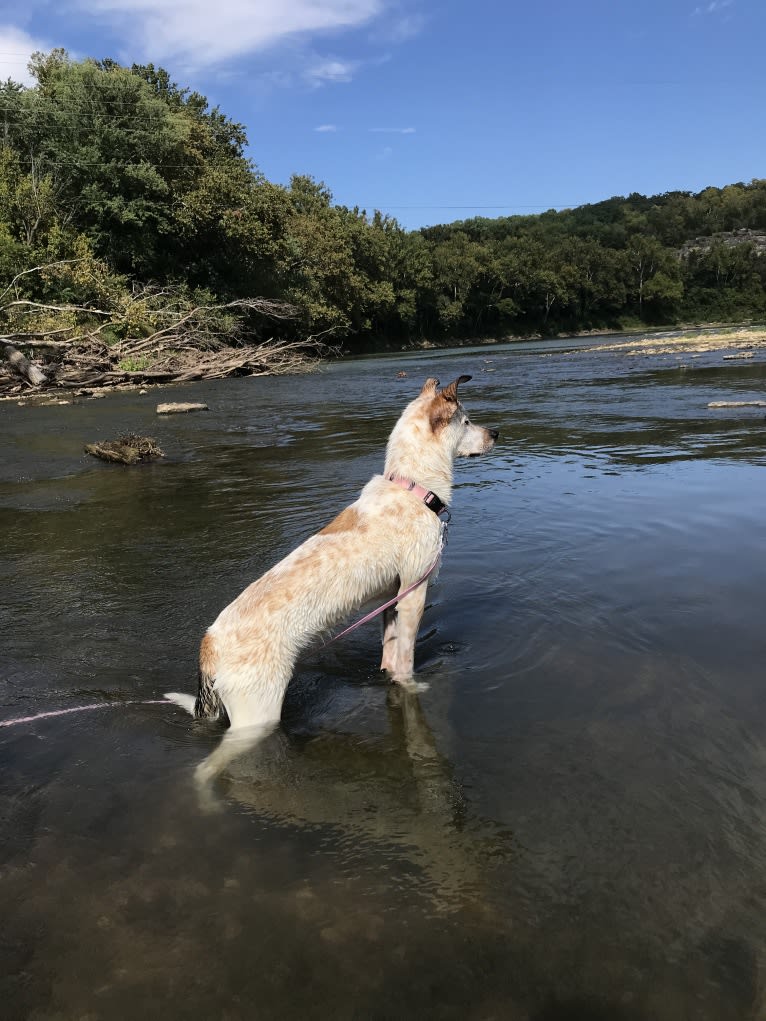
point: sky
(436, 112)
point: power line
(498, 205)
(85, 128)
(59, 104)
(15, 53)
(172, 101)
(115, 164)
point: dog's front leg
(409, 613)
(390, 629)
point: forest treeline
(119, 189)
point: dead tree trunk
(23, 365)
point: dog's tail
(207, 704)
(186, 702)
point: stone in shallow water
(129, 449)
(737, 404)
(179, 408)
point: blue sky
(437, 112)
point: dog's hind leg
(254, 710)
(234, 744)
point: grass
(134, 364)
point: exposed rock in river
(128, 449)
(737, 404)
(179, 408)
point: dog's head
(450, 424)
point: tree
(457, 265)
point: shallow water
(569, 823)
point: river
(568, 825)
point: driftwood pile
(128, 449)
(79, 349)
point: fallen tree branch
(198, 342)
(38, 269)
(272, 309)
(36, 306)
(23, 366)
(27, 338)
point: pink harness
(429, 498)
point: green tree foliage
(141, 182)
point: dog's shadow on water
(393, 789)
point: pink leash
(80, 709)
(399, 596)
(161, 701)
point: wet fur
(381, 544)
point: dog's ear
(429, 387)
(449, 393)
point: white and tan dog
(379, 546)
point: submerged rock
(128, 449)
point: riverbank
(734, 343)
(641, 331)
(55, 383)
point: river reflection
(569, 824)
(413, 806)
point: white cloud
(209, 33)
(329, 71)
(326, 127)
(403, 29)
(393, 131)
(713, 7)
(16, 47)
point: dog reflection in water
(392, 793)
(378, 547)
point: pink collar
(429, 498)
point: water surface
(569, 823)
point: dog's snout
(494, 433)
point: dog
(378, 547)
